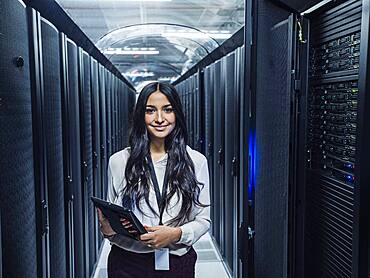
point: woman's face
(160, 118)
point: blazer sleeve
(112, 191)
(193, 230)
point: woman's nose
(159, 117)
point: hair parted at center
(181, 175)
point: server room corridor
(184, 138)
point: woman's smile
(159, 127)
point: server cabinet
(72, 160)
(120, 114)
(208, 134)
(68, 212)
(201, 113)
(230, 133)
(19, 241)
(86, 157)
(54, 149)
(337, 135)
(38, 118)
(192, 105)
(75, 195)
(197, 100)
(218, 139)
(95, 124)
(108, 115)
(243, 167)
(1, 251)
(125, 122)
(103, 130)
(113, 115)
(273, 139)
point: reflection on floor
(209, 263)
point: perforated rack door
(52, 107)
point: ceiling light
(130, 52)
(144, 0)
(139, 74)
(197, 35)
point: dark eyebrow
(167, 105)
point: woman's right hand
(105, 227)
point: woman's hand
(160, 236)
(105, 227)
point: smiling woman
(165, 183)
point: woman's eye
(149, 110)
(168, 110)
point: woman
(158, 160)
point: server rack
(272, 139)
(1, 251)
(230, 133)
(208, 132)
(18, 226)
(86, 155)
(243, 167)
(337, 157)
(71, 145)
(95, 124)
(103, 129)
(219, 127)
(108, 110)
(52, 105)
(76, 192)
(325, 56)
(67, 157)
(38, 117)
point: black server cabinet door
(75, 194)
(103, 130)
(39, 139)
(86, 157)
(67, 163)
(230, 133)
(54, 148)
(218, 139)
(272, 140)
(108, 92)
(95, 124)
(1, 250)
(76, 159)
(243, 162)
(208, 134)
(113, 114)
(17, 177)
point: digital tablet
(114, 213)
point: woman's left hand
(160, 236)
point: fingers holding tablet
(127, 225)
(105, 227)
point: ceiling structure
(156, 39)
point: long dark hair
(181, 175)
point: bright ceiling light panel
(198, 35)
(143, 0)
(131, 51)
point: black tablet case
(114, 213)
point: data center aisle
(209, 263)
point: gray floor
(209, 263)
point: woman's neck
(157, 146)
